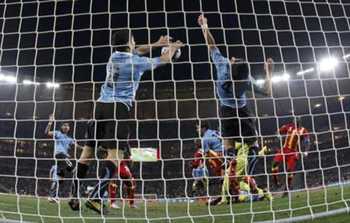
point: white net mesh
(53, 60)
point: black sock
(230, 154)
(108, 171)
(81, 173)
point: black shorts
(237, 125)
(63, 164)
(110, 127)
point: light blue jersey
(211, 140)
(62, 142)
(224, 87)
(199, 173)
(124, 71)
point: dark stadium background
(69, 43)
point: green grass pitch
(31, 209)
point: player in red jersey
(128, 181)
(199, 173)
(296, 137)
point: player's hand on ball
(164, 41)
(178, 44)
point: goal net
(53, 59)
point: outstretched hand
(178, 44)
(51, 117)
(202, 20)
(268, 66)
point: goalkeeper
(249, 191)
(235, 176)
(111, 113)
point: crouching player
(127, 182)
(199, 174)
(237, 169)
(295, 134)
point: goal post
(53, 58)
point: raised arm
(48, 131)
(209, 39)
(162, 41)
(268, 80)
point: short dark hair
(240, 70)
(120, 39)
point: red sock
(131, 195)
(112, 192)
(275, 171)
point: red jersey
(294, 135)
(198, 159)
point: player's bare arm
(162, 41)
(268, 80)
(48, 131)
(209, 39)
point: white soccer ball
(176, 55)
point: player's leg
(113, 132)
(291, 161)
(107, 171)
(86, 156)
(277, 160)
(216, 162)
(129, 182)
(62, 165)
(247, 127)
(229, 130)
(53, 190)
(112, 194)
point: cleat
(96, 206)
(264, 151)
(53, 200)
(285, 194)
(74, 204)
(215, 201)
(114, 205)
(132, 206)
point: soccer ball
(176, 55)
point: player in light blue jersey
(211, 139)
(232, 83)
(111, 121)
(62, 144)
